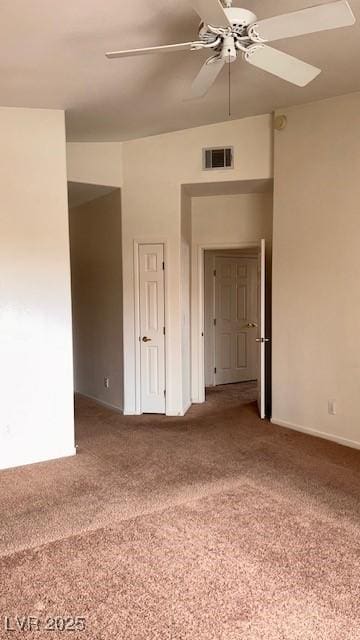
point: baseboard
(107, 405)
(318, 434)
(186, 407)
(43, 457)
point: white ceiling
(52, 56)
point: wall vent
(218, 158)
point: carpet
(212, 526)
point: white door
(261, 339)
(235, 319)
(152, 328)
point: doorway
(229, 217)
(231, 317)
(96, 284)
(234, 320)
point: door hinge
(164, 392)
(164, 330)
(163, 266)
(214, 322)
(214, 369)
(214, 273)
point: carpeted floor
(211, 526)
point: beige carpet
(211, 526)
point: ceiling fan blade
(211, 12)
(206, 78)
(185, 46)
(319, 18)
(282, 65)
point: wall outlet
(106, 382)
(332, 407)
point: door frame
(136, 287)
(198, 311)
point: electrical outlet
(106, 382)
(332, 407)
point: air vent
(218, 158)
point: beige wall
(96, 270)
(153, 171)
(36, 377)
(316, 302)
(95, 163)
(232, 218)
(220, 221)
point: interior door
(235, 319)
(261, 339)
(152, 328)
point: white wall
(316, 274)
(227, 220)
(153, 171)
(95, 163)
(36, 377)
(96, 274)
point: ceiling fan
(229, 31)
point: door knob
(145, 339)
(262, 340)
(251, 325)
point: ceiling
(52, 56)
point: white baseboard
(22, 461)
(186, 408)
(318, 434)
(107, 405)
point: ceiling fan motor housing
(224, 39)
(240, 17)
(228, 51)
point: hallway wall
(96, 274)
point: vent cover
(218, 158)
